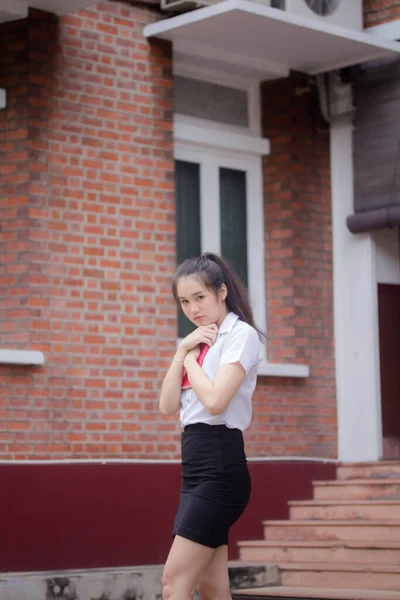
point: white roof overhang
(10, 10)
(269, 40)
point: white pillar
(355, 315)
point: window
(219, 209)
(233, 219)
(188, 243)
(219, 194)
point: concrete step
(275, 552)
(122, 583)
(357, 489)
(346, 575)
(387, 531)
(345, 509)
(367, 470)
(294, 593)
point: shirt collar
(228, 323)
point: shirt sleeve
(241, 345)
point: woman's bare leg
(185, 565)
(214, 582)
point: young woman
(214, 411)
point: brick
(100, 254)
(68, 263)
(377, 12)
(289, 281)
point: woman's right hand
(205, 334)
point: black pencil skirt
(215, 483)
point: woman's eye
(200, 297)
(183, 301)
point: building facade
(114, 164)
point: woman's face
(200, 304)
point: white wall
(355, 315)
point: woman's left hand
(194, 353)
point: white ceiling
(12, 9)
(269, 39)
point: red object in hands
(204, 348)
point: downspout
(335, 100)
(323, 97)
(335, 97)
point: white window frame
(214, 145)
(210, 227)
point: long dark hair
(215, 271)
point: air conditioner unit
(347, 13)
(186, 5)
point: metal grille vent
(323, 8)
(210, 101)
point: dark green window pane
(234, 220)
(188, 241)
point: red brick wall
(102, 249)
(101, 240)
(380, 11)
(297, 416)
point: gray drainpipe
(371, 220)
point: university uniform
(215, 479)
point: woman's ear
(223, 292)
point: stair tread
(366, 545)
(349, 501)
(333, 523)
(359, 481)
(319, 593)
(303, 571)
(382, 463)
(345, 566)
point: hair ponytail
(215, 271)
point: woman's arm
(239, 355)
(214, 396)
(170, 397)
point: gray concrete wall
(136, 583)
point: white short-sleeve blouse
(236, 342)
